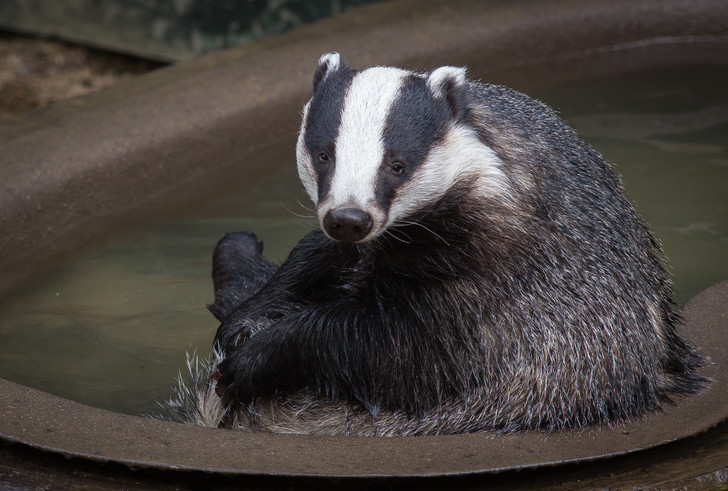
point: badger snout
(348, 224)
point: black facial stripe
(416, 121)
(322, 123)
(324, 178)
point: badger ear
(447, 84)
(328, 63)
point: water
(110, 326)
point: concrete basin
(159, 144)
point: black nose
(348, 224)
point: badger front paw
(260, 366)
(238, 271)
(235, 381)
(234, 246)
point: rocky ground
(38, 72)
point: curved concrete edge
(85, 167)
(50, 423)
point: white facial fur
(303, 160)
(461, 155)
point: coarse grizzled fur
(478, 268)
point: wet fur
(540, 307)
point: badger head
(378, 145)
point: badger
(477, 267)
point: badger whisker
(311, 216)
(390, 232)
(312, 210)
(405, 223)
(305, 217)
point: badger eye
(323, 158)
(397, 168)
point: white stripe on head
(359, 144)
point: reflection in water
(110, 326)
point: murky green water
(110, 326)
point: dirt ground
(38, 72)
